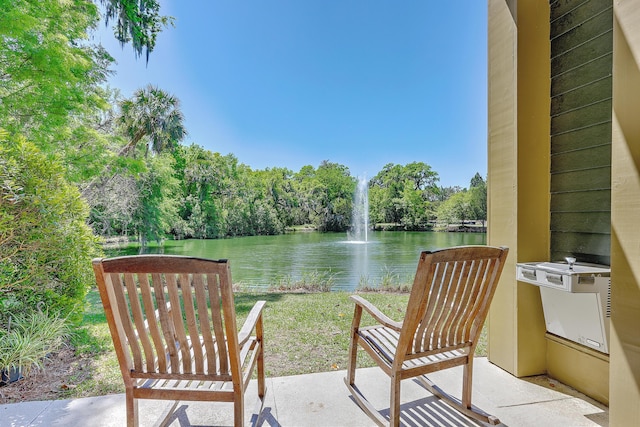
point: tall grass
(28, 338)
(390, 281)
(309, 281)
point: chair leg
(262, 389)
(351, 366)
(260, 338)
(131, 409)
(238, 409)
(467, 379)
(353, 345)
(394, 407)
(261, 385)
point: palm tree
(154, 115)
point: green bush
(28, 339)
(45, 244)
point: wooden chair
(447, 307)
(173, 324)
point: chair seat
(168, 389)
(384, 341)
(198, 369)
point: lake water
(259, 261)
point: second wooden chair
(447, 308)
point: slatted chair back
(174, 319)
(173, 324)
(449, 300)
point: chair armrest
(376, 314)
(250, 323)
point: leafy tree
(403, 195)
(461, 206)
(332, 191)
(51, 94)
(198, 211)
(45, 245)
(157, 207)
(477, 181)
(50, 72)
(421, 176)
(155, 115)
(456, 209)
(136, 21)
(48, 69)
(385, 191)
(91, 141)
(278, 190)
(443, 193)
(306, 188)
(113, 202)
(415, 209)
(221, 197)
(478, 198)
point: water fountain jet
(360, 215)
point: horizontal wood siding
(582, 222)
(581, 93)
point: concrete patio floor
(322, 399)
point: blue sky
(289, 83)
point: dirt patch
(56, 380)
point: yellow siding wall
(501, 177)
(625, 218)
(518, 177)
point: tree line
(191, 192)
(79, 162)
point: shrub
(28, 339)
(45, 244)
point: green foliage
(477, 181)
(89, 145)
(403, 195)
(45, 245)
(216, 197)
(48, 71)
(325, 196)
(26, 339)
(50, 93)
(157, 206)
(465, 205)
(136, 21)
(455, 209)
(152, 116)
(246, 202)
(478, 198)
